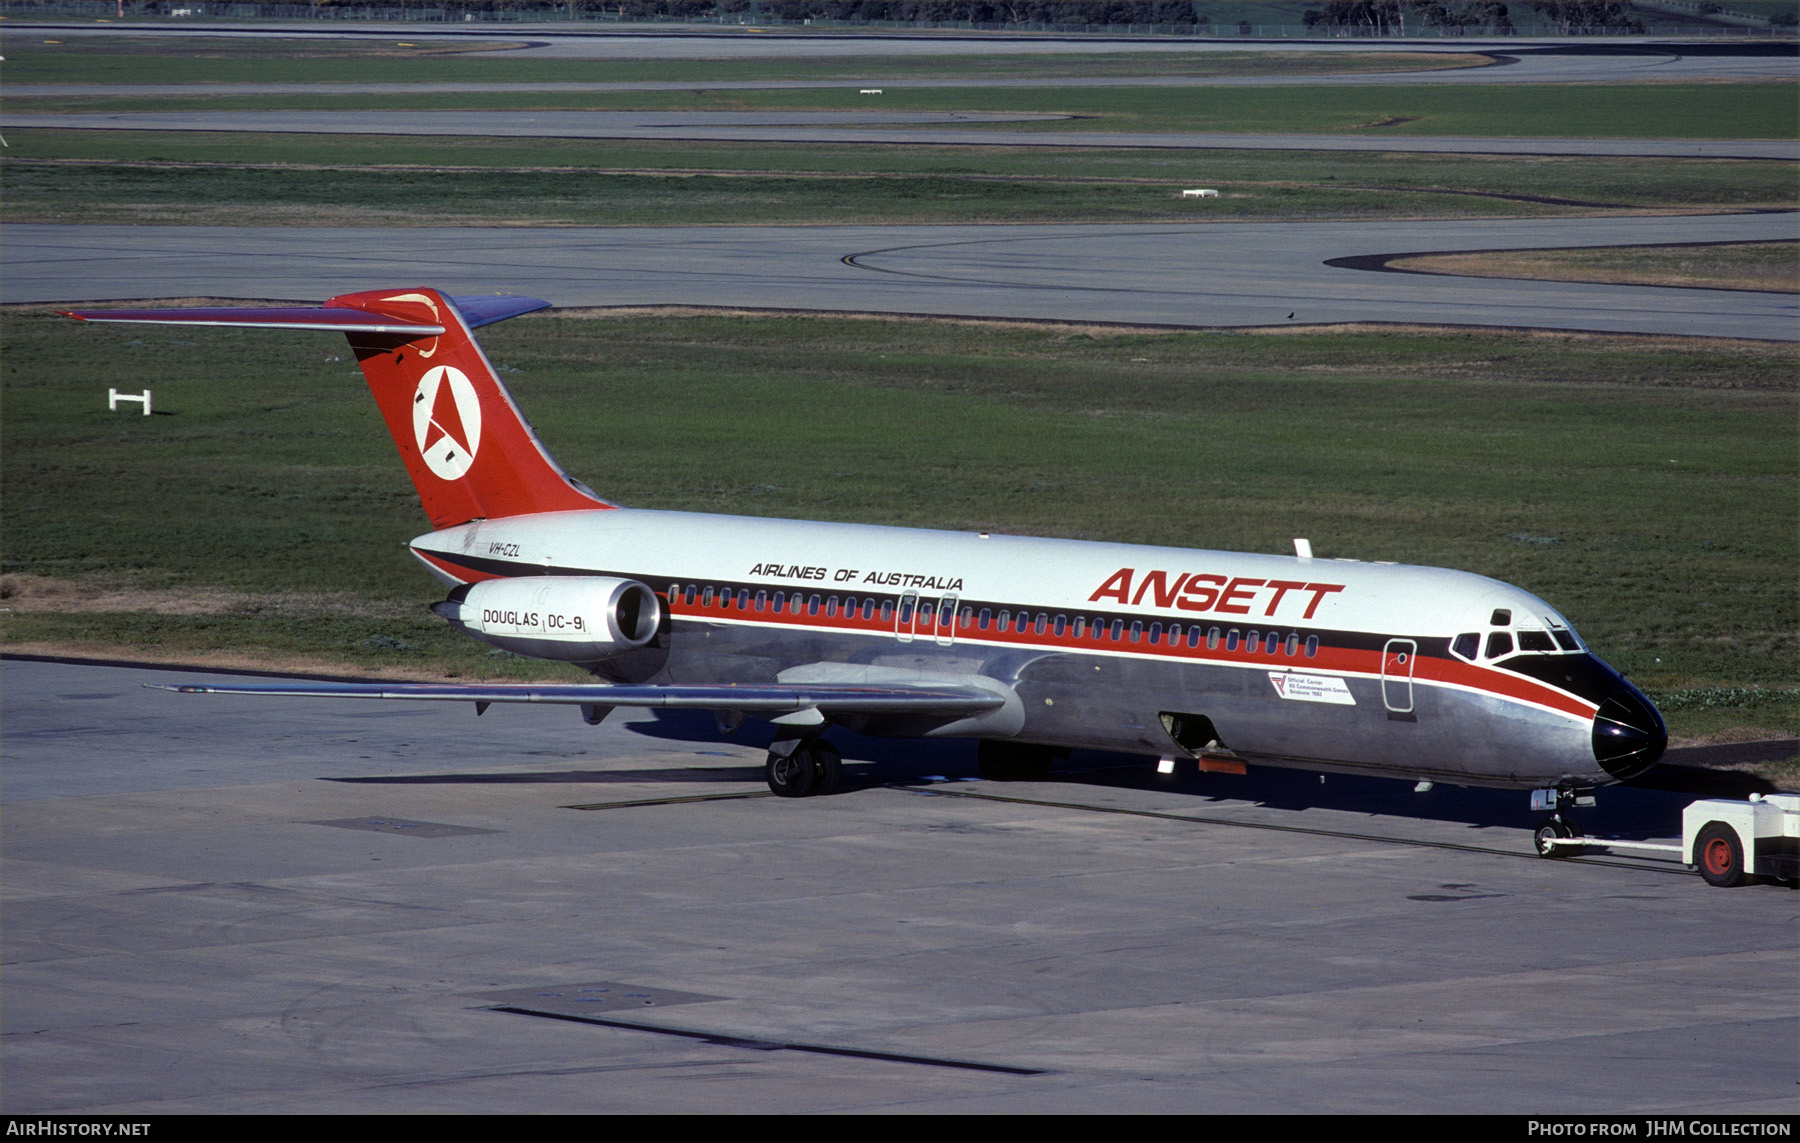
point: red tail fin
(467, 447)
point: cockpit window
(1565, 638)
(1501, 617)
(1536, 641)
(1467, 646)
(1499, 644)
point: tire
(1719, 853)
(828, 768)
(791, 775)
(1557, 829)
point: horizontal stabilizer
(339, 319)
(828, 698)
(477, 310)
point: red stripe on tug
(465, 444)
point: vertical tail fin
(468, 449)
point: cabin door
(946, 624)
(904, 615)
(1397, 674)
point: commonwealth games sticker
(1311, 688)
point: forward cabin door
(946, 625)
(1397, 660)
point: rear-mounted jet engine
(576, 619)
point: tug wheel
(1719, 853)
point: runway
(218, 904)
(1199, 275)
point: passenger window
(1271, 641)
(1137, 632)
(1156, 633)
(887, 610)
(1079, 626)
(1312, 646)
(1118, 629)
(1062, 625)
(1212, 639)
(831, 606)
(1004, 622)
(1043, 621)
(762, 601)
(1499, 643)
(968, 616)
(1193, 636)
(780, 598)
(1252, 639)
(986, 617)
(1293, 644)
(812, 606)
(906, 609)
(1231, 640)
(743, 599)
(1467, 646)
(706, 597)
(869, 608)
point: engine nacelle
(572, 618)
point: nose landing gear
(1559, 837)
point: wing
(797, 700)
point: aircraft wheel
(791, 775)
(828, 768)
(1720, 854)
(1558, 829)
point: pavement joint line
(1273, 827)
(675, 801)
(726, 1040)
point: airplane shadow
(1624, 811)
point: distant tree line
(1021, 12)
(1367, 17)
(1392, 17)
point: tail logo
(447, 421)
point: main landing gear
(1559, 837)
(803, 767)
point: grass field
(122, 176)
(1638, 111)
(1646, 487)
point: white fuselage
(1326, 664)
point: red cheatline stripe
(1341, 660)
(1501, 684)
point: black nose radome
(1629, 736)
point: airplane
(1031, 646)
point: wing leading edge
(776, 699)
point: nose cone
(1629, 735)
